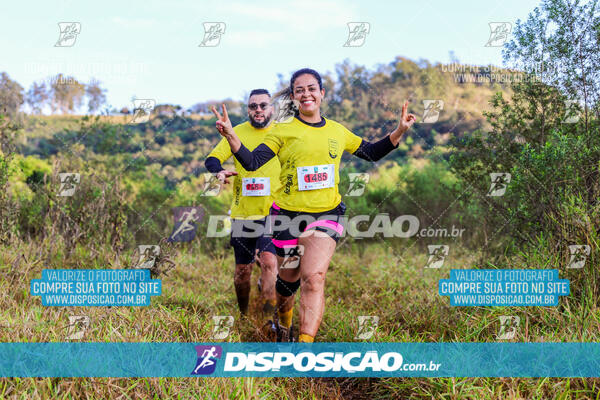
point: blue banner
(300, 359)
(95, 287)
(504, 287)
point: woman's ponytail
(284, 108)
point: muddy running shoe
(269, 331)
(285, 334)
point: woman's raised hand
(223, 123)
(406, 120)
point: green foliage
(431, 193)
(8, 207)
(95, 214)
(98, 136)
(369, 102)
(554, 162)
(66, 93)
(11, 95)
(559, 43)
(96, 96)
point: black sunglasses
(254, 106)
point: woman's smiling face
(307, 94)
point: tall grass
(401, 293)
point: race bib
(316, 177)
(256, 187)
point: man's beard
(260, 125)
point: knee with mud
(313, 282)
(268, 262)
(268, 277)
(241, 281)
(243, 273)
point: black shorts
(286, 231)
(246, 237)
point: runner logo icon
(207, 359)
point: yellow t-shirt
(249, 207)
(300, 145)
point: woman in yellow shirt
(307, 206)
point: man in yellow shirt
(252, 199)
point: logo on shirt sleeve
(333, 148)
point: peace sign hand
(223, 123)
(406, 120)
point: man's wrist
(234, 143)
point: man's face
(260, 110)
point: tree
(66, 93)
(96, 96)
(167, 110)
(236, 107)
(11, 95)
(553, 161)
(560, 43)
(37, 96)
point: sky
(151, 49)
